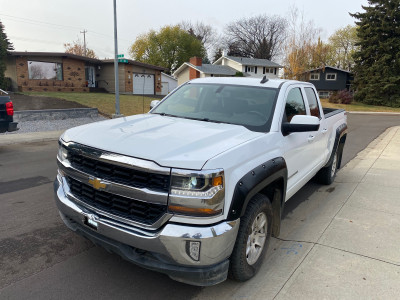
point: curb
(55, 114)
(31, 137)
(373, 113)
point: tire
(243, 264)
(327, 174)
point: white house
(168, 83)
(227, 66)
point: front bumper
(164, 250)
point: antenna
(264, 80)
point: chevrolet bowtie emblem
(97, 184)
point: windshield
(249, 106)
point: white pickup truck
(196, 187)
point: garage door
(143, 84)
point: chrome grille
(119, 174)
(138, 211)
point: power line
(48, 24)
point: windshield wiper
(167, 115)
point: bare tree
(303, 48)
(261, 36)
(203, 32)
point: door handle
(324, 130)
(311, 138)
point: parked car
(196, 187)
(6, 114)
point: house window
(330, 76)
(45, 70)
(323, 94)
(314, 76)
(271, 70)
(250, 69)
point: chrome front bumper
(164, 250)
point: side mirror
(300, 123)
(154, 103)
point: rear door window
(312, 102)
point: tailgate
(3, 101)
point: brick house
(64, 72)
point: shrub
(239, 74)
(342, 97)
(333, 98)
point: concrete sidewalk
(343, 242)
(29, 137)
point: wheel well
(275, 192)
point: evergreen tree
(217, 54)
(5, 46)
(377, 61)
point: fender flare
(341, 134)
(256, 181)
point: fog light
(193, 250)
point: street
(41, 259)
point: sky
(45, 25)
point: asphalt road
(41, 259)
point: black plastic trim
(332, 113)
(288, 128)
(253, 182)
(341, 131)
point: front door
(298, 152)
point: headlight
(62, 153)
(197, 193)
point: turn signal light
(217, 181)
(194, 211)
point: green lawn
(355, 106)
(105, 103)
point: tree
(377, 59)
(5, 46)
(206, 34)
(78, 48)
(258, 37)
(343, 44)
(217, 54)
(304, 49)
(170, 47)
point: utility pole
(84, 41)
(117, 112)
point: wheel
(252, 240)
(327, 175)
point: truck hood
(168, 141)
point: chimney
(197, 61)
